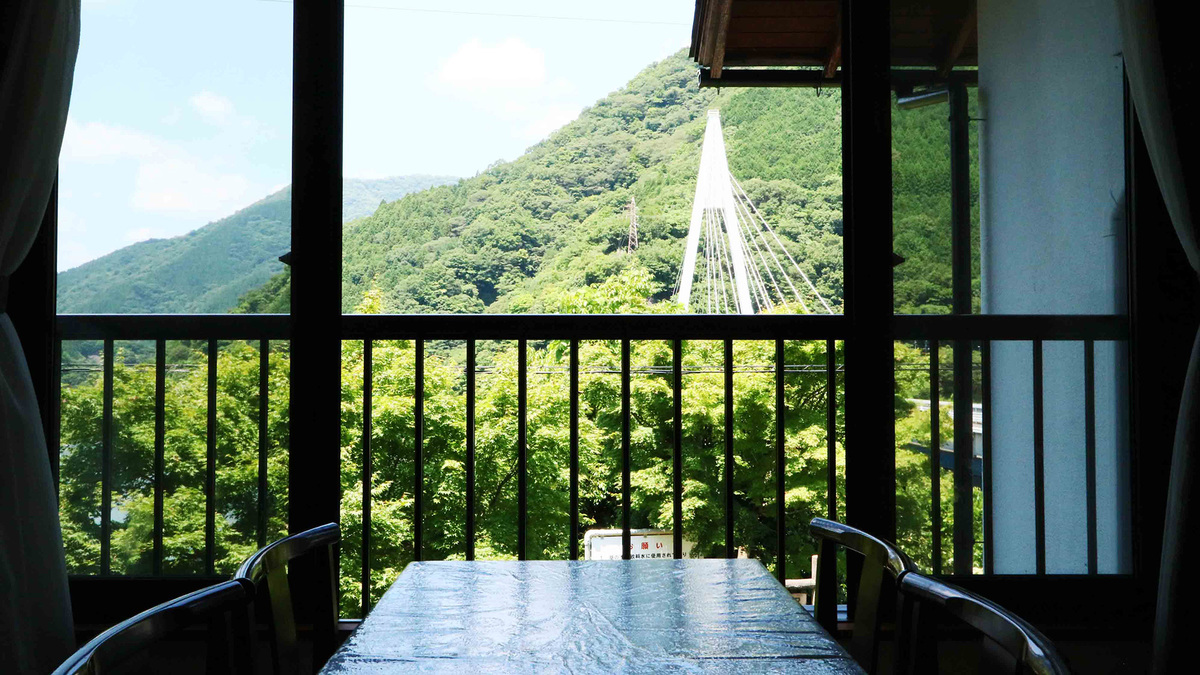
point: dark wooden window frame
(1061, 603)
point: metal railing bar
(546, 369)
(574, 469)
(522, 448)
(106, 452)
(677, 449)
(172, 326)
(985, 354)
(1011, 327)
(418, 442)
(963, 541)
(1039, 478)
(935, 465)
(470, 506)
(662, 370)
(730, 550)
(54, 430)
(1089, 388)
(368, 472)
(626, 460)
(210, 472)
(592, 326)
(160, 405)
(831, 371)
(738, 327)
(264, 440)
(780, 465)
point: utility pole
(631, 209)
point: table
(641, 616)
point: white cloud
(168, 179)
(99, 142)
(550, 119)
(180, 185)
(214, 108)
(508, 80)
(72, 230)
(142, 234)
(73, 253)
(482, 67)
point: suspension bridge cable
(778, 241)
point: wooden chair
(119, 644)
(267, 573)
(1030, 650)
(879, 559)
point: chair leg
(219, 658)
(923, 656)
(243, 646)
(325, 609)
(864, 643)
(825, 588)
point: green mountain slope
(208, 269)
(361, 197)
(521, 235)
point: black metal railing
(572, 329)
(108, 329)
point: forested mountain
(524, 234)
(360, 197)
(207, 269)
(518, 236)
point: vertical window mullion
(160, 404)
(106, 452)
(574, 450)
(677, 449)
(470, 506)
(368, 472)
(210, 471)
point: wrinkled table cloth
(642, 616)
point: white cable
(757, 284)
(723, 260)
(758, 250)
(767, 245)
(785, 251)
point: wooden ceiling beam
(834, 59)
(786, 8)
(722, 20)
(965, 28)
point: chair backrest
(133, 636)
(879, 559)
(267, 572)
(1030, 649)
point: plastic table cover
(643, 616)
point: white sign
(643, 545)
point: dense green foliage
(184, 461)
(208, 269)
(392, 477)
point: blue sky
(180, 112)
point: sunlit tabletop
(642, 616)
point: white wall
(1052, 184)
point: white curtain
(1159, 88)
(38, 43)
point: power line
(502, 15)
